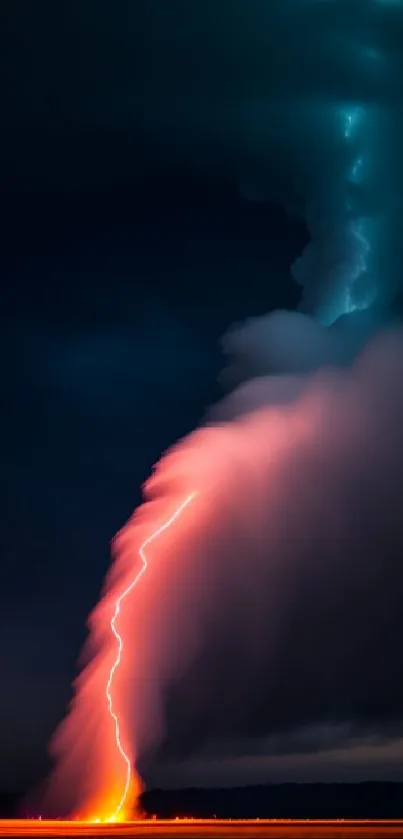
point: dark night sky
(126, 251)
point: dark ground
(287, 801)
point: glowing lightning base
(119, 814)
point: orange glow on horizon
(121, 811)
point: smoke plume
(272, 605)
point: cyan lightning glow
(356, 296)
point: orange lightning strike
(115, 816)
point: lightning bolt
(116, 663)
